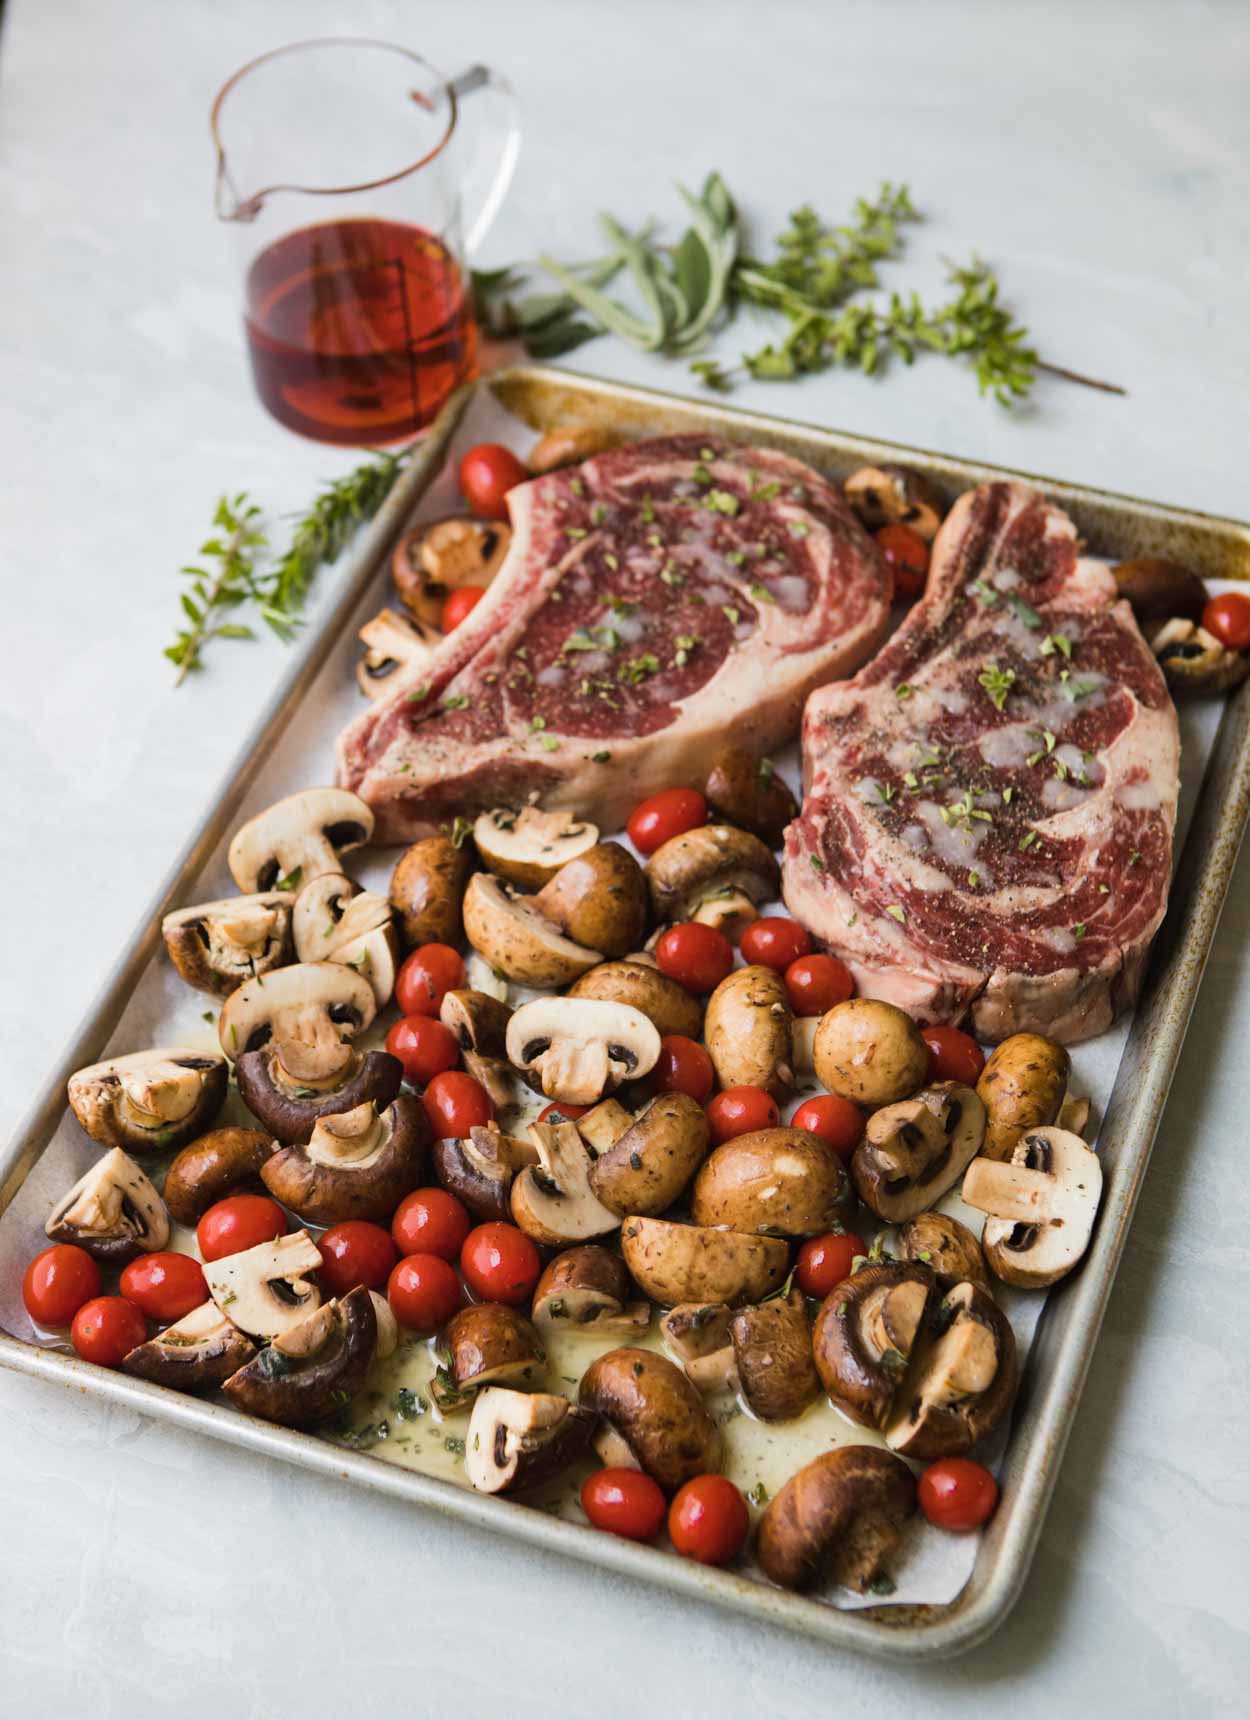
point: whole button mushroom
(869, 1052)
(937, 1240)
(312, 1368)
(357, 1164)
(113, 1211)
(212, 1167)
(215, 946)
(520, 1439)
(716, 874)
(775, 1182)
(297, 839)
(772, 1346)
(748, 1030)
(1022, 1087)
(669, 1007)
(912, 1152)
(840, 1517)
(648, 1167)
(149, 1101)
(747, 791)
(1041, 1205)
(655, 1417)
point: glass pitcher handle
(467, 84)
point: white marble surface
(1100, 154)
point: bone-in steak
(657, 601)
(987, 828)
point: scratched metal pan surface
(1114, 525)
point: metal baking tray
(1117, 526)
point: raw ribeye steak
(656, 602)
(987, 827)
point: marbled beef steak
(987, 828)
(657, 601)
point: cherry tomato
(956, 1493)
(559, 1112)
(429, 973)
(424, 1046)
(696, 956)
(487, 473)
(455, 1103)
(238, 1222)
(708, 1520)
(625, 1502)
(774, 941)
(683, 1066)
(662, 816)
(164, 1286)
(1228, 617)
(740, 1111)
(57, 1283)
(953, 1056)
(459, 605)
(356, 1252)
(106, 1329)
(500, 1264)
(430, 1221)
(816, 983)
(835, 1120)
(907, 556)
(423, 1292)
(824, 1261)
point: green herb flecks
(997, 683)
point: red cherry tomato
(956, 1493)
(429, 972)
(424, 1046)
(164, 1286)
(57, 1283)
(459, 605)
(774, 941)
(835, 1120)
(696, 956)
(238, 1222)
(625, 1502)
(953, 1056)
(683, 1066)
(907, 556)
(824, 1261)
(423, 1292)
(1228, 617)
(816, 983)
(455, 1103)
(662, 816)
(500, 1264)
(559, 1112)
(487, 473)
(708, 1520)
(356, 1252)
(430, 1221)
(740, 1111)
(106, 1329)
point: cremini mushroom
(803, 1043)
(297, 839)
(266, 1290)
(1041, 1205)
(773, 1182)
(698, 1335)
(215, 1165)
(516, 939)
(529, 846)
(949, 1248)
(748, 1030)
(112, 1211)
(553, 1201)
(588, 1289)
(603, 1125)
(674, 1263)
(648, 1167)
(961, 1380)
(357, 1164)
(841, 1517)
(519, 1439)
(772, 1347)
(394, 646)
(149, 1101)
(865, 1333)
(432, 561)
(655, 1412)
(196, 1353)
(716, 874)
(485, 1344)
(215, 946)
(1022, 1087)
(388, 1326)
(479, 1169)
(578, 1049)
(1074, 1114)
(1195, 661)
(748, 791)
(641, 985)
(480, 1024)
(598, 899)
(890, 495)
(334, 920)
(1160, 590)
(427, 890)
(869, 1052)
(912, 1152)
(567, 445)
(312, 1368)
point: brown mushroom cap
(427, 891)
(357, 1164)
(531, 846)
(772, 1345)
(715, 873)
(215, 946)
(567, 445)
(675, 1263)
(519, 1439)
(961, 1381)
(747, 791)
(212, 1167)
(149, 1101)
(776, 1182)
(842, 1516)
(198, 1352)
(487, 1344)
(1022, 1087)
(869, 1052)
(598, 899)
(588, 1287)
(649, 1166)
(516, 939)
(668, 1006)
(652, 1406)
(433, 560)
(865, 1333)
(292, 1113)
(937, 1240)
(894, 495)
(1160, 590)
(479, 1170)
(113, 1211)
(748, 1030)
(311, 1370)
(912, 1152)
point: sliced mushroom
(675, 1263)
(668, 1006)
(716, 874)
(748, 1030)
(1194, 661)
(938, 1241)
(150, 1101)
(212, 1167)
(1022, 1087)
(772, 1346)
(336, 921)
(266, 1290)
(869, 1052)
(1041, 1206)
(894, 495)
(649, 1166)
(388, 1326)
(196, 1353)
(394, 646)
(698, 1334)
(588, 1287)
(1160, 590)
(567, 445)
(113, 1211)
(553, 1202)
(297, 839)
(519, 1439)
(215, 946)
(961, 1380)
(603, 1125)
(479, 1169)
(427, 890)
(486, 1344)
(864, 1336)
(577, 1049)
(652, 1407)
(314, 1367)
(357, 1164)
(516, 939)
(598, 899)
(841, 1516)
(914, 1151)
(480, 1024)
(530, 846)
(747, 791)
(773, 1182)
(432, 561)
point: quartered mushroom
(149, 1101)
(716, 874)
(1194, 661)
(674, 1263)
(577, 1049)
(480, 1024)
(1041, 1206)
(357, 1164)
(312, 1368)
(773, 1182)
(912, 1152)
(213, 1166)
(486, 1344)
(215, 946)
(890, 495)
(432, 561)
(746, 790)
(112, 1211)
(603, 1125)
(864, 1336)
(266, 1290)
(668, 1006)
(334, 920)
(519, 1439)
(588, 1289)
(553, 1201)
(598, 899)
(394, 646)
(654, 1418)
(517, 940)
(961, 1380)
(841, 1517)
(749, 1030)
(698, 1336)
(529, 846)
(196, 1353)
(648, 1167)
(297, 839)
(949, 1248)
(427, 890)
(479, 1169)
(772, 1349)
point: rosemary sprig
(318, 537)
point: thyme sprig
(213, 595)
